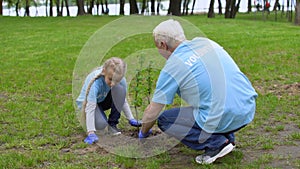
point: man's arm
(150, 115)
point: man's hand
(135, 123)
(142, 135)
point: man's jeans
(180, 123)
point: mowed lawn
(39, 127)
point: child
(105, 88)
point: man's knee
(161, 122)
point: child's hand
(135, 123)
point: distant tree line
(176, 7)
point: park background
(39, 127)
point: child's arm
(127, 111)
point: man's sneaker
(113, 130)
(91, 138)
(210, 156)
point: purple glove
(135, 123)
(142, 135)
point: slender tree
(211, 13)
(231, 8)
(122, 4)
(17, 7)
(144, 6)
(67, 7)
(174, 7)
(297, 13)
(236, 9)
(193, 7)
(46, 4)
(158, 7)
(152, 7)
(249, 6)
(220, 7)
(185, 7)
(27, 5)
(80, 5)
(51, 7)
(133, 7)
(106, 11)
(1, 7)
(59, 13)
(276, 6)
(90, 9)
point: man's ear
(162, 44)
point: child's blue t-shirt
(98, 90)
(204, 75)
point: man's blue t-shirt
(98, 90)
(204, 75)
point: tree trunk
(276, 6)
(122, 4)
(152, 7)
(90, 9)
(227, 9)
(102, 7)
(211, 13)
(59, 13)
(106, 8)
(249, 6)
(61, 7)
(158, 7)
(46, 4)
(143, 7)
(236, 8)
(193, 7)
(97, 6)
(185, 7)
(1, 7)
(297, 13)
(133, 7)
(220, 7)
(17, 7)
(27, 13)
(51, 7)
(80, 5)
(231, 9)
(67, 7)
(174, 7)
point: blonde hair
(169, 31)
(115, 64)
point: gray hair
(169, 31)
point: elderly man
(221, 98)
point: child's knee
(100, 126)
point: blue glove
(135, 123)
(142, 135)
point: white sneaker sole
(227, 149)
(115, 134)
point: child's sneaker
(210, 156)
(113, 130)
(91, 138)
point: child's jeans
(180, 123)
(114, 101)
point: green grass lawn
(39, 128)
